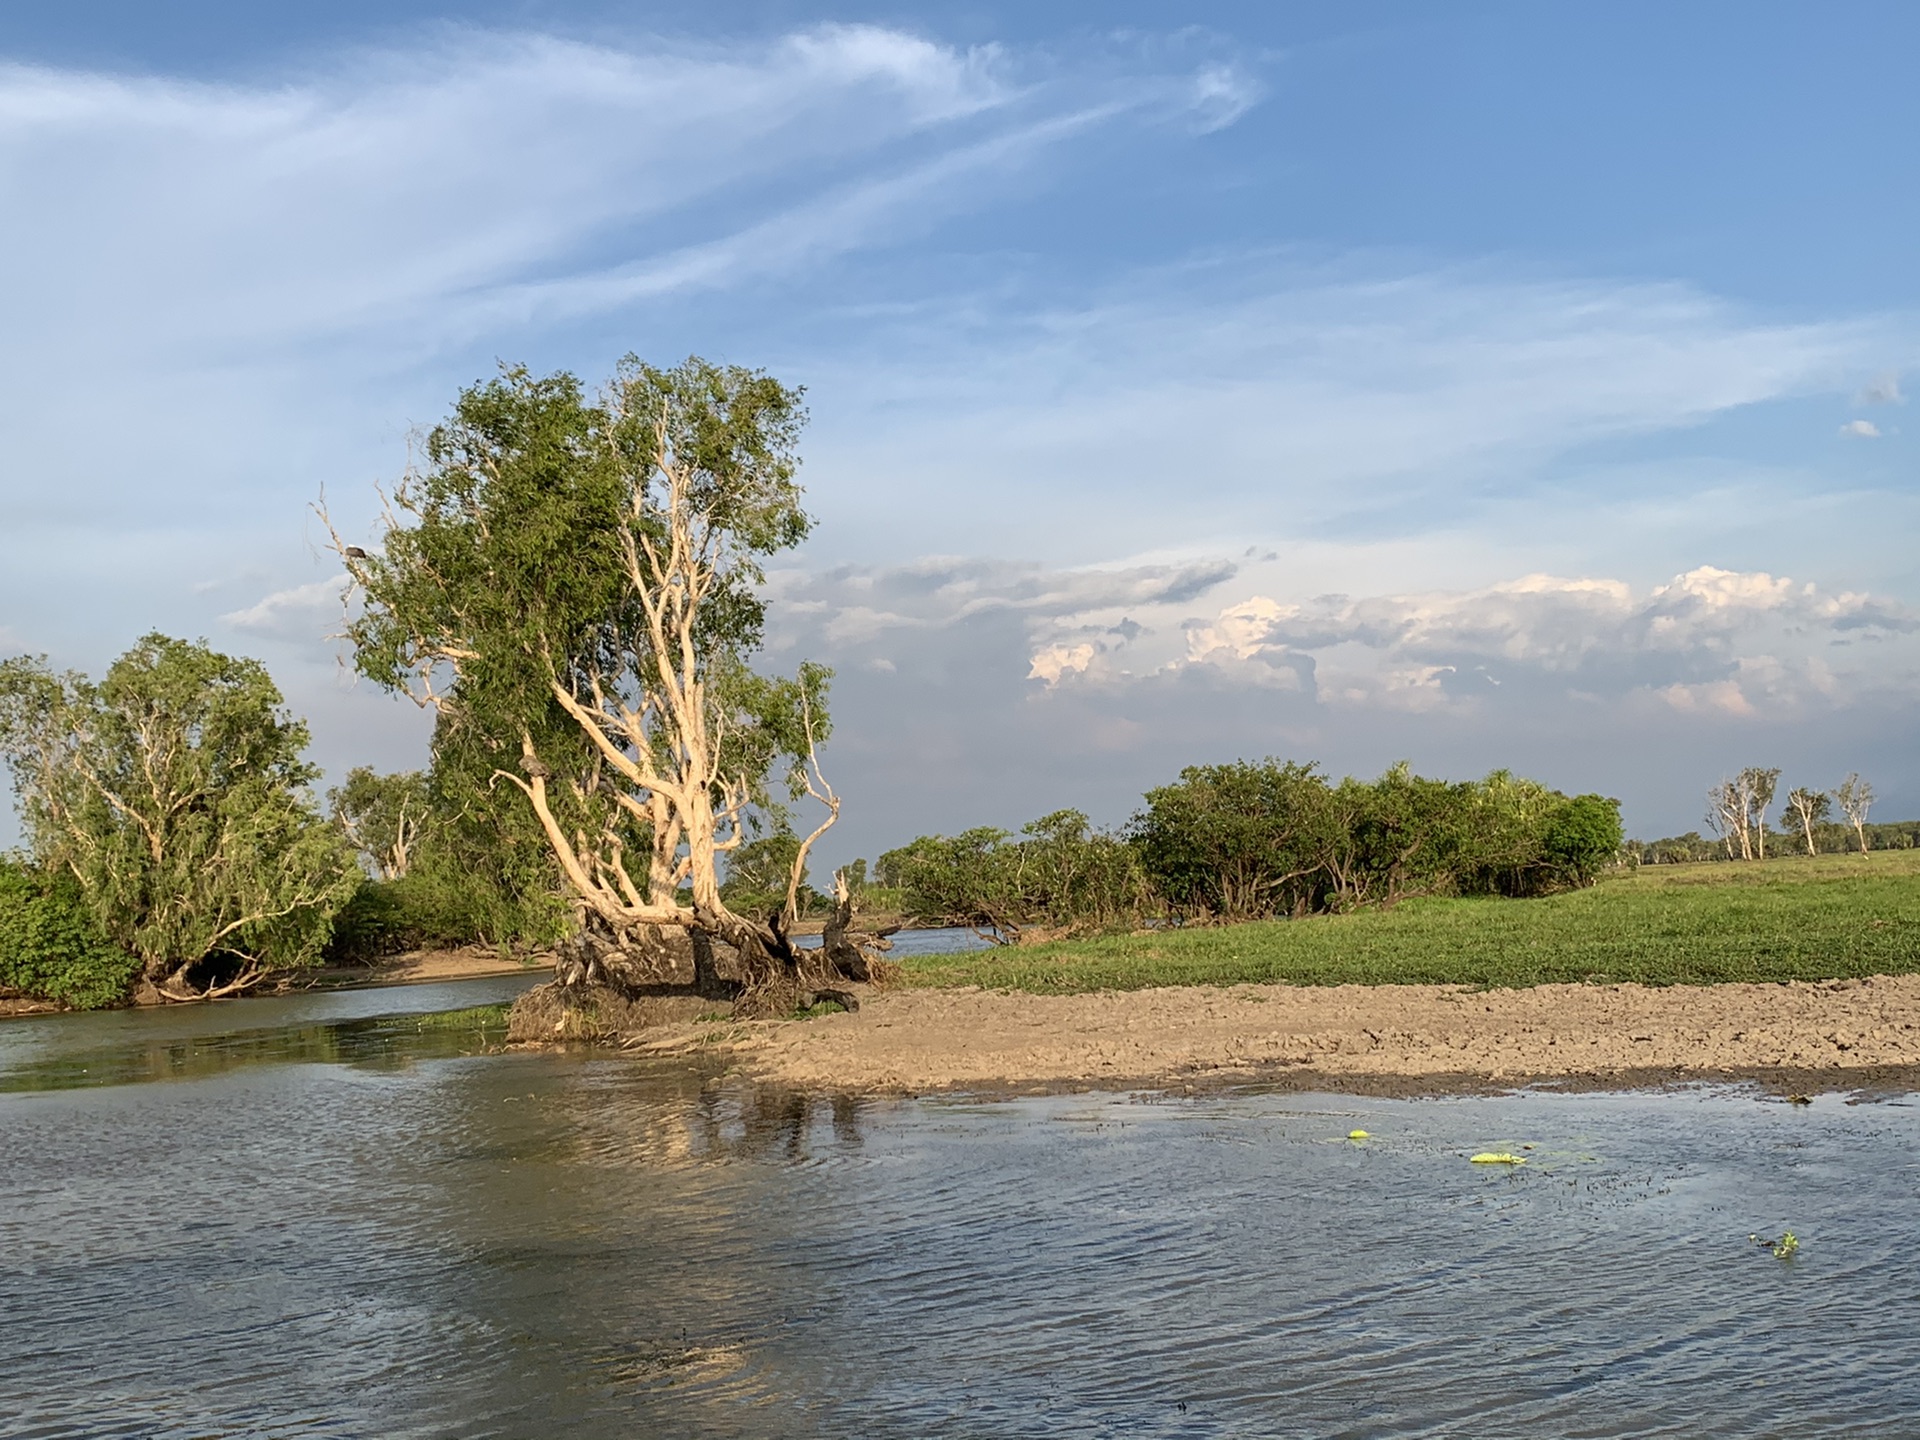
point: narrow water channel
(322, 1217)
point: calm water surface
(320, 1217)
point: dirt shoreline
(421, 967)
(416, 967)
(1388, 1039)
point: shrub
(429, 909)
(1060, 873)
(1245, 841)
(51, 948)
(1582, 838)
(1240, 841)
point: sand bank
(1835, 1034)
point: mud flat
(1842, 1034)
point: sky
(1487, 385)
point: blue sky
(1479, 384)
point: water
(940, 940)
(395, 1240)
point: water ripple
(518, 1245)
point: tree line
(1258, 840)
(571, 583)
(1741, 825)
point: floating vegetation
(1497, 1157)
(1785, 1248)
(1358, 1135)
(474, 1017)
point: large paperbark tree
(577, 584)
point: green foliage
(512, 552)
(1239, 841)
(1583, 837)
(1830, 917)
(1249, 841)
(383, 816)
(431, 909)
(175, 793)
(1059, 873)
(51, 948)
(757, 874)
(516, 580)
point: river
(315, 1216)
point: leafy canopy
(51, 947)
(574, 584)
(174, 792)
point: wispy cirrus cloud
(855, 603)
(434, 187)
(302, 613)
(1263, 394)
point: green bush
(1582, 838)
(1241, 841)
(1059, 873)
(429, 909)
(51, 948)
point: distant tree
(1057, 874)
(1757, 786)
(1241, 840)
(175, 794)
(382, 816)
(1855, 797)
(1737, 811)
(1727, 820)
(1807, 808)
(1691, 847)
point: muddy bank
(1390, 1038)
(418, 967)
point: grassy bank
(1814, 918)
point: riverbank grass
(1806, 918)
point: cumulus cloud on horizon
(1735, 642)
(1708, 639)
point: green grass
(474, 1017)
(1817, 918)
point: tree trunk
(708, 982)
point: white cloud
(1057, 660)
(857, 604)
(1700, 639)
(305, 612)
(1259, 397)
(1861, 430)
(1708, 638)
(429, 191)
